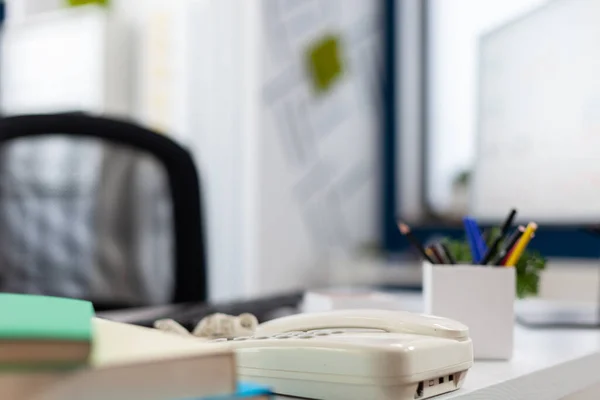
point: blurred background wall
(316, 123)
(288, 159)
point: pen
(521, 245)
(470, 239)
(405, 230)
(479, 247)
(441, 254)
(486, 235)
(508, 245)
(447, 253)
(503, 231)
(433, 253)
(513, 248)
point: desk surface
(547, 364)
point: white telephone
(356, 354)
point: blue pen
(478, 241)
(470, 239)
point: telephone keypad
(284, 335)
(306, 336)
(325, 332)
(287, 335)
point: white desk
(547, 364)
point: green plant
(528, 267)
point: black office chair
(69, 229)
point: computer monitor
(539, 116)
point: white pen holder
(481, 297)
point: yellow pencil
(521, 245)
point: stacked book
(55, 349)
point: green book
(43, 331)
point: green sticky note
(83, 2)
(324, 62)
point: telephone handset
(357, 354)
(385, 320)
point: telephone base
(335, 391)
(434, 387)
(357, 355)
